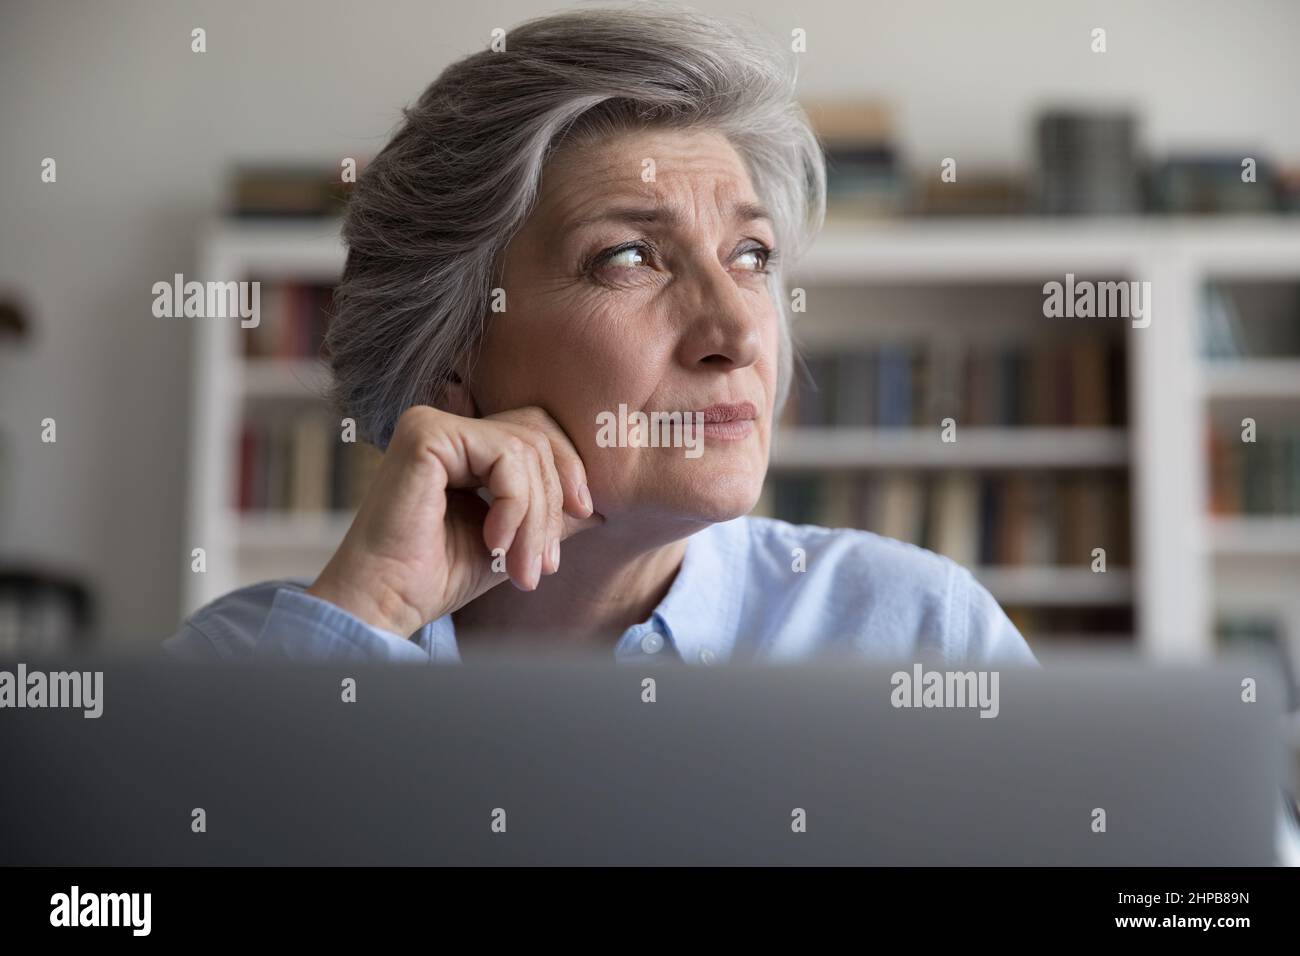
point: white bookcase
(241, 548)
(1184, 563)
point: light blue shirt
(748, 589)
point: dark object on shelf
(1088, 164)
(14, 326)
(1221, 325)
(1246, 320)
(864, 177)
(973, 194)
(1288, 189)
(42, 612)
(283, 191)
(1213, 184)
(863, 182)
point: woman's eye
(627, 258)
(754, 260)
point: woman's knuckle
(415, 416)
(415, 426)
(541, 444)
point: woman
(589, 221)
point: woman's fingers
(509, 482)
(576, 498)
(454, 497)
(554, 498)
(567, 463)
(532, 543)
(537, 486)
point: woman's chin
(721, 500)
(688, 491)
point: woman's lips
(729, 431)
(728, 421)
(728, 412)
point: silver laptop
(574, 762)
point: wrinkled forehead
(654, 175)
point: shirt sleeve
(283, 622)
(990, 635)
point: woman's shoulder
(807, 588)
(779, 549)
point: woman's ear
(456, 397)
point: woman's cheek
(609, 473)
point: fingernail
(555, 555)
(535, 575)
(585, 495)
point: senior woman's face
(624, 289)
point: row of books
(301, 464)
(1021, 518)
(1052, 383)
(293, 317)
(1259, 477)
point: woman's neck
(607, 582)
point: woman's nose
(722, 322)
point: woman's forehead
(645, 176)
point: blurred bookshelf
(1254, 378)
(1071, 434)
(1182, 579)
(1250, 360)
(272, 488)
(1036, 471)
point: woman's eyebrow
(651, 215)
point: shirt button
(707, 656)
(652, 643)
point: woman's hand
(423, 542)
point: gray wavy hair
(430, 217)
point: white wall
(143, 132)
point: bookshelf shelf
(306, 531)
(301, 251)
(284, 378)
(1056, 585)
(841, 447)
(952, 249)
(1253, 378)
(1255, 536)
